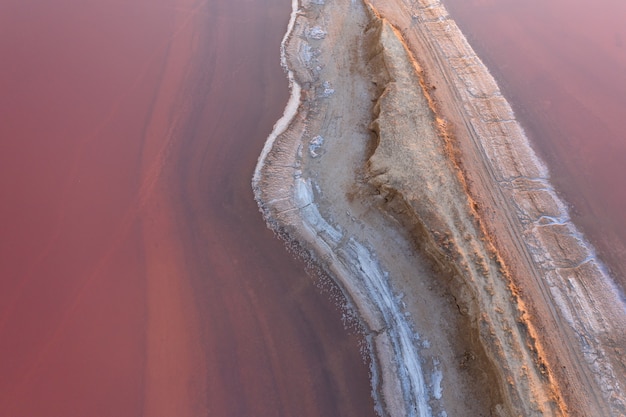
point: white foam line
(291, 109)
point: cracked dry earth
(400, 168)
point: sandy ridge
(583, 312)
(404, 158)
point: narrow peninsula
(400, 170)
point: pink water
(137, 277)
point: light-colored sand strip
(288, 202)
(371, 291)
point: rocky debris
(315, 146)
(317, 33)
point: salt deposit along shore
(400, 170)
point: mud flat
(400, 170)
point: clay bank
(400, 168)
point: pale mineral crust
(401, 171)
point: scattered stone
(317, 33)
(315, 146)
(328, 90)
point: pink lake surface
(562, 65)
(137, 277)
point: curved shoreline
(519, 231)
(292, 104)
(310, 232)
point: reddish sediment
(137, 276)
